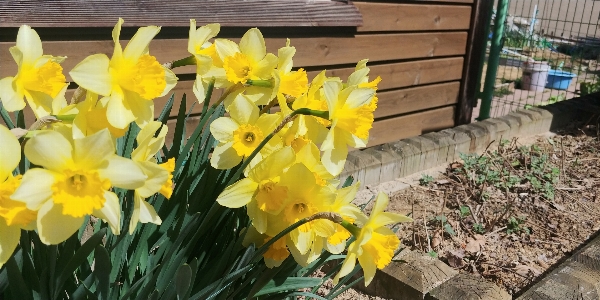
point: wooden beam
(394, 129)
(473, 62)
(315, 51)
(418, 98)
(412, 17)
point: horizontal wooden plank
(412, 17)
(394, 129)
(417, 98)
(316, 51)
(100, 13)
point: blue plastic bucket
(559, 80)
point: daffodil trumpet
(331, 216)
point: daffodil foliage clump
(95, 205)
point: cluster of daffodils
(288, 137)
(71, 148)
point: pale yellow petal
(284, 60)
(171, 81)
(388, 218)
(118, 52)
(91, 152)
(224, 157)
(123, 173)
(347, 267)
(253, 45)
(197, 37)
(110, 212)
(199, 89)
(332, 91)
(54, 227)
(358, 76)
(243, 111)
(139, 43)
(222, 129)
(148, 214)
(381, 203)
(259, 95)
(258, 217)
(268, 122)
(238, 194)
(265, 67)
(16, 54)
(273, 165)
(226, 48)
(12, 99)
(92, 74)
(359, 97)
(367, 262)
(334, 159)
(30, 44)
(10, 154)
(157, 176)
(9, 239)
(118, 115)
(49, 149)
(35, 188)
(142, 109)
(40, 103)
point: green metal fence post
(488, 23)
(493, 60)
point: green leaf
(179, 134)
(166, 111)
(80, 256)
(20, 119)
(289, 284)
(102, 267)
(449, 229)
(182, 280)
(17, 285)
(6, 117)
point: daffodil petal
(119, 115)
(11, 153)
(224, 157)
(238, 194)
(29, 43)
(11, 99)
(368, 265)
(41, 103)
(123, 173)
(197, 37)
(139, 43)
(357, 76)
(253, 45)
(284, 58)
(9, 239)
(243, 111)
(54, 227)
(157, 176)
(273, 165)
(347, 267)
(387, 218)
(118, 52)
(148, 213)
(258, 217)
(226, 48)
(142, 109)
(35, 188)
(332, 91)
(268, 122)
(199, 89)
(50, 150)
(334, 159)
(93, 150)
(111, 212)
(16, 54)
(381, 203)
(359, 97)
(171, 81)
(92, 74)
(265, 67)
(222, 128)
(259, 95)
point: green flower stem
(331, 216)
(68, 118)
(289, 118)
(260, 83)
(351, 228)
(188, 61)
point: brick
(537, 120)
(525, 121)
(461, 140)
(502, 130)
(480, 138)
(468, 287)
(410, 154)
(429, 151)
(444, 142)
(391, 162)
(546, 117)
(372, 166)
(513, 123)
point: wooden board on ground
(412, 17)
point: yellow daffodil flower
(39, 78)
(159, 176)
(14, 215)
(248, 61)
(131, 79)
(276, 253)
(310, 156)
(261, 191)
(336, 242)
(75, 182)
(91, 118)
(351, 114)
(375, 244)
(291, 83)
(206, 56)
(304, 198)
(241, 133)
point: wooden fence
(423, 50)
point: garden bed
(512, 213)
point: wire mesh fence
(551, 52)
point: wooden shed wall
(417, 47)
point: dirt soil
(512, 213)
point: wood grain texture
(98, 13)
(394, 129)
(417, 98)
(412, 17)
(316, 51)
